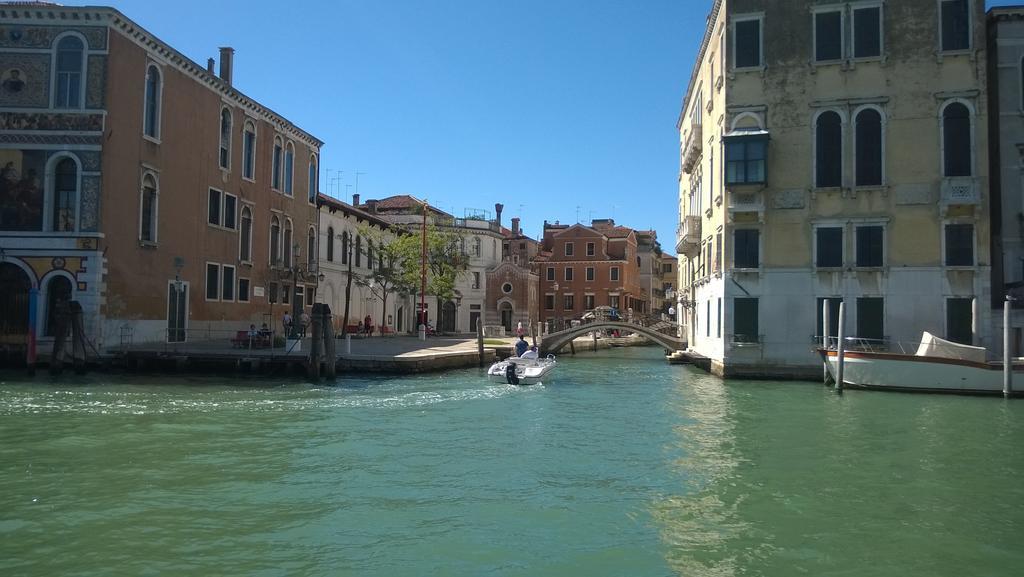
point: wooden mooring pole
(1007, 357)
(841, 348)
(330, 344)
(60, 338)
(77, 337)
(480, 341)
(316, 343)
(824, 337)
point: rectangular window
(959, 245)
(833, 317)
(551, 273)
(870, 246)
(867, 32)
(249, 152)
(212, 281)
(216, 200)
(568, 273)
(230, 204)
(590, 249)
(959, 319)
(590, 273)
(615, 274)
(828, 36)
(708, 316)
(871, 319)
(286, 294)
(569, 248)
(275, 177)
(549, 302)
(589, 301)
(476, 280)
(747, 43)
(613, 301)
(243, 290)
(747, 248)
(718, 325)
(310, 295)
(718, 254)
(829, 243)
(956, 25)
(745, 160)
(272, 292)
(567, 303)
(227, 285)
(745, 327)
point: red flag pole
(423, 271)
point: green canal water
(620, 466)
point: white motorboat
(937, 366)
(519, 371)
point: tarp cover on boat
(933, 346)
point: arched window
(312, 179)
(289, 168)
(151, 118)
(245, 236)
(149, 205)
(249, 151)
(869, 147)
(311, 248)
(956, 140)
(225, 138)
(344, 247)
(330, 244)
(275, 164)
(65, 195)
(58, 295)
(275, 241)
(359, 250)
(70, 67)
(829, 150)
(369, 254)
(288, 243)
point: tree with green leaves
(391, 268)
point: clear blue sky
(547, 104)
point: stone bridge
(661, 332)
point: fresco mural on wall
(21, 189)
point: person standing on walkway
(519, 330)
(287, 322)
(521, 346)
(304, 322)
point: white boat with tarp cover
(937, 365)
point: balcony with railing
(960, 190)
(688, 236)
(692, 147)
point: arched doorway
(448, 317)
(506, 316)
(14, 293)
(58, 293)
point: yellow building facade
(833, 152)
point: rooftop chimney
(226, 65)
(209, 65)
(515, 225)
(371, 206)
(497, 210)
(355, 199)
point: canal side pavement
(397, 354)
